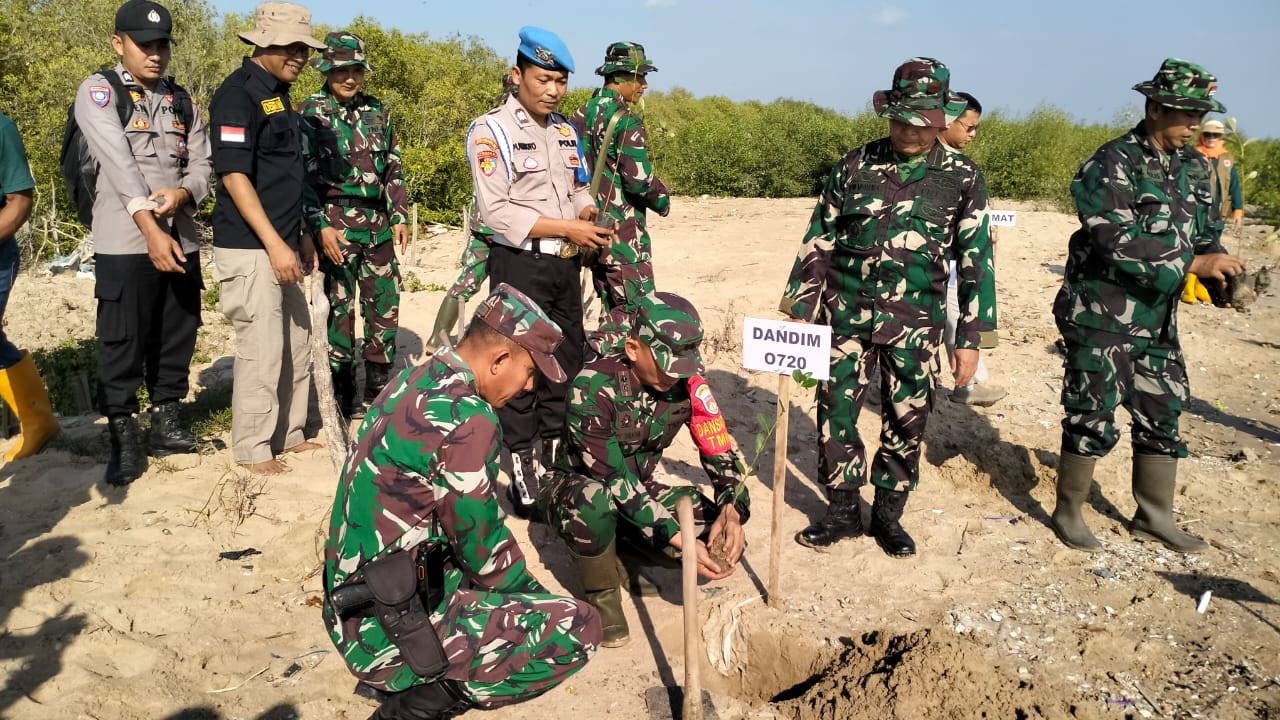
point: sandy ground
(116, 604)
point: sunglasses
(1211, 135)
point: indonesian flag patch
(231, 134)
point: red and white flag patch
(231, 134)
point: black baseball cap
(144, 21)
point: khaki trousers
(273, 366)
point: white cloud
(659, 3)
(889, 16)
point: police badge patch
(100, 95)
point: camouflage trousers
(584, 514)
(369, 265)
(475, 268)
(907, 379)
(503, 648)
(619, 288)
(1147, 378)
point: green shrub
(70, 372)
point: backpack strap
(124, 104)
(182, 103)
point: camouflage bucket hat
(670, 326)
(340, 50)
(921, 95)
(1182, 85)
(519, 318)
(625, 57)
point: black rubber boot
(168, 437)
(369, 692)
(376, 376)
(439, 700)
(128, 457)
(550, 446)
(843, 520)
(599, 574)
(344, 392)
(524, 483)
(1154, 480)
(886, 512)
(1075, 477)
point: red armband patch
(710, 433)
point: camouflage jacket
(423, 466)
(629, 185)
(616, 430)
(1143, 216)
(350, 151)
(875, 261)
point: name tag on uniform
(272, 106)
(231, 133)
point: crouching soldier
(624, 411)
(427, 594)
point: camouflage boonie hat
(670, 326)
(519, 318)
(625, 57)
(340, 50)
(1182, 85)
(921, 95)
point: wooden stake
(779, 489)
(413, 235)
(335, 425)
(692, 646)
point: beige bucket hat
(281, 24)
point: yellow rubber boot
(1189, 289)
(22, 389)
(1202, 292)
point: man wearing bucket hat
(602, 496)
(874, 265)
(356, 204)
(1146, 219)
(417, 506)
(259, 248)
(1224, 176)
(614, 140)
(531, 190)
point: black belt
(349, 201)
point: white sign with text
(784, 347)
(1003, 218)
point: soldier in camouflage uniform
(423, 470)
(625, 188)
(356, 204)
(874, 265)
(474, 260)
(624, 411)
(1147, 218)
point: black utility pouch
(394, 580)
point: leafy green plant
(70, 372)
(412, 283)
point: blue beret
(544, 49)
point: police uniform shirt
(154, 149)
(527, 174)
(254, 131)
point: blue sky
(1083, 56)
